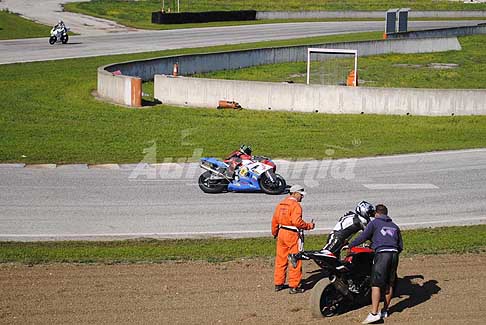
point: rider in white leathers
(348, 225)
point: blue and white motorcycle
(253, 176)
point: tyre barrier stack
(202, 17)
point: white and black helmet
(365, 210)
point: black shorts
(384, 270)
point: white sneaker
(384, 313)
(371, 318)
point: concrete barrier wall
(121, 89)
(201, 63)
(290, 97)
(321, 99)
(441, 32)
(364, 14)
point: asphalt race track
(431, 189)
(38, 49)
(74, 202)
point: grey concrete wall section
(441, 32)
(322, 99)
(112, 87)
(364, 14)
(201, 63)
(118, 89)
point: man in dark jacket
(386, 241)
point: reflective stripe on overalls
(300, 232)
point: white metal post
(308, 65)
(356, 69)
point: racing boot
(293, 258)
(296, 290)
(229, 173)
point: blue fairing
(250, 183)
(245, 184)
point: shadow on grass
(149, 103)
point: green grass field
(471, 239)
(48, 115)
(13, 26)
(138, 13)
(409, 70)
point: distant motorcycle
(254, 175)
(59, 33)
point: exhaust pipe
(215, 172)
(341, 286)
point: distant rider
(235, 159)
(348, 225)
(60, 24)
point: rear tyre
(208, 185)
(365, 296)
(276, 187)
(64, 39)
(325, 299)
(52, 40)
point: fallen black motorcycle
(345, 282)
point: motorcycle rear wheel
(64, 39)
(325, 299)
(52, 40)
(211, 186)
(270, 187)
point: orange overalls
(286, 221)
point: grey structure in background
(402, 24)
(441, 32)
(391, 21)
(377, 14)
(396, 21)
(293, 97)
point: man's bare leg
(388, 297)
(375, 299)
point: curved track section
(421, 190)
(28, 50)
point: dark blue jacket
(384, 234)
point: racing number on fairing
(259, 169)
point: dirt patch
(433, 290)
(438, 66)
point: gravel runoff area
(443, 289)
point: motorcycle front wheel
(208, 185)
(52, 40)
(325, 299)
(276, 187)
(64, 39)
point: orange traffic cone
(350, 81)
(175, 70)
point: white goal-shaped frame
(334, 51)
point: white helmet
(365, 210)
